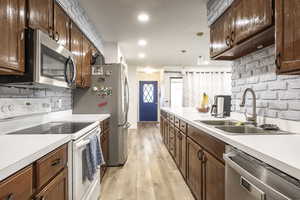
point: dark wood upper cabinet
(76, 48)
(40, 15)
(288, 36)
(12, 43)
(86, 71)
(214, 178)
(61, 26)
(194, 175)
(220, 34)
(245, 27)
(250, 17)
(57, 189)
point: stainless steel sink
(249, 130)
(217, 122)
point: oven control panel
(10, 108)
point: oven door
(54, 64)
(82, 187)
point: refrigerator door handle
(126, 92)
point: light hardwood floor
(149, 174)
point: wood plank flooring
(149, 174)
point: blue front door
(148, 100)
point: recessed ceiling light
(142, 55)
(183, 51)
(143, 17)
(199, 34)
(142, 42)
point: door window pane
(148, 93)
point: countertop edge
(284, 167)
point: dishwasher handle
(245, 183)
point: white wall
(113, 53)
(133, 98)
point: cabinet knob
(50, 32)
(55, 162)
(278, 61)
(232, 37)
(200, 155)
(22, 35)
(56, 36)
(227, 41)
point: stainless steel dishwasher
(250, 179)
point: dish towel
(94, 157)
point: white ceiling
(172, 27)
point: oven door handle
(82, 143)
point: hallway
(149, 174)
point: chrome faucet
(253, 119)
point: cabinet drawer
(183, 126)
(210, 143)
(18, 186)
(176, 122)
(49, 166)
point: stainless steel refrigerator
(109, 93)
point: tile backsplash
(54, 94)
(278, 96)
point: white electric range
(34, 117)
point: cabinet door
(182, 166)
(161, 126)
(172, 139)
(178, 141)
(166, 136)
(57, 189)
(288, 36)
(12, 51)
(220, 33)
(76, 48)
(61, 26)
(214, 178)
(40, 15)
(86, 71)
(251, 17)
(194, 168)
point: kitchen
(122, 100)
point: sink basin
(249, 130)
(217, 122)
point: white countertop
(279, 151)
(19, 151)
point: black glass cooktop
(53, 128)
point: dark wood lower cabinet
(194, 175)
(198, 156)
(57, 189)
(26, 183)
(104, 137)
(182, 165)
(172, 138)
(214, 178)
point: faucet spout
(252, 119)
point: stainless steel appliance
(109, 94)
(47, 63)
(250, 179)
(222, 106)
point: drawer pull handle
(55, 162)
(10, 197)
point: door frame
(138, 98)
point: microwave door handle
(65, 72)
(74, 71)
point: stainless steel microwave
(47, 63)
